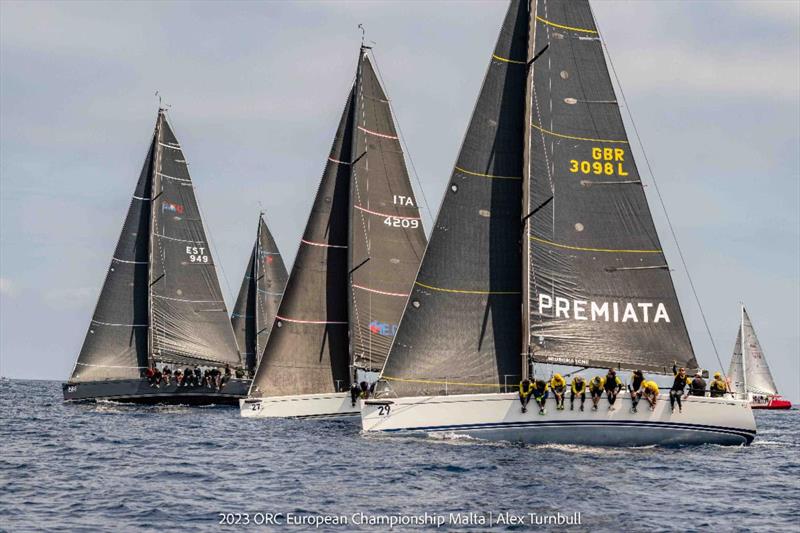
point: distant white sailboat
(544, 251)
(749, 373)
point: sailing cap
(717, 375)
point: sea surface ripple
(114, 467)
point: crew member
(596, 390)
(559, 387)
(540, 388)
(698, 385)
(718, 387)
(650, 391)
(577, 388)
(612, 387)
(354, 391)
(365, 390)
(525, 391)
(678, 386)
(635, 388)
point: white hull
(498, 417)
(300, 406)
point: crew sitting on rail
(525, 391)
(188, 377)
(559, 387)
(239, 373)
(596, 390)
(612, 387)
(698, 385)
(650, 391)
(178, 377)
(577, 388)
(678, 386)
(540, 388)
(635, 388)
(150, 374)
(718, 387)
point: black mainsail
(161, 301)
(259, 296)
(357, 258)
(601, 293)
(544, 242)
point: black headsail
(461, 329)
(307, 348)
(116, 343)
(259, 297)
(189, 320)
(386, 235)
(601, 293)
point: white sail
(736, 370)
(759, 378)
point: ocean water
(113, 467)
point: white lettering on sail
(562, 304)
(580, 309)
(629, 313)
(545, 302)
(599, 311)
(602, 311)
(661, 313)
(398, 199)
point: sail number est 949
(605, 161)
(197, 254)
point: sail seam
(584, 249)
(176, 239)
(460, 291)
(170, 146)
(384, 214)
(108, 366)
(490, 176)
(385, 136)
(141, 198)
(563, 27)
(310, 321)
(376, 291)
(506, 60)
(323, 245)
(172, 177)
(338, 162)
(190, 301)
(576, 138)
(121, 325)
(130, 262)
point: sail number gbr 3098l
(605, 161)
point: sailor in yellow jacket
(577, 388)
(540, 388)
(596, 387)
(525, 393)
(718, 387)
(650, 393)
(559, 387)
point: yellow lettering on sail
(605, 161)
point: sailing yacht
(161, 303)
(259, 296)
(544, 252)
(360, 251)
(749, 374)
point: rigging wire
(405, 144)
(658, 193)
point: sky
(256, 89)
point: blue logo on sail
(382, 328)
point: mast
(526, 202)
(357, 111)
(256, 275)
(744, 355)
(155, 192)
